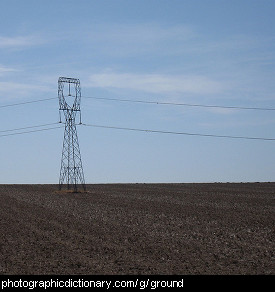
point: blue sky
(212, 52)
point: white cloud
(5, 69)
(136, 39)
(141, 32)
(19, 41)
(156, 83)
(11, 90)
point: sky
(206, 52)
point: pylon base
(71, 192)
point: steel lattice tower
(71, 171)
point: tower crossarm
(70, 91)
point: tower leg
(71, 171)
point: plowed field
(219, 228)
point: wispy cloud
(142, 32)
(12, 90)
(5, 69)
(156, 83)
(20, 41)
(136, 39)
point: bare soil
(219, 228)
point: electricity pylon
(71, 171)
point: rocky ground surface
(138, 229)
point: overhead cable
(181, 104)
(29, 127)
(26, 132)
(132, 129)
(26, 102)
(179, 133)
(149, 102)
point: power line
(26, 102)
(179, 133)
(181, 104)
(25, 132)
(132, 129)
(29, 127)
(128, 129)
(149, 102)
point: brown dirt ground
(138, 229)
